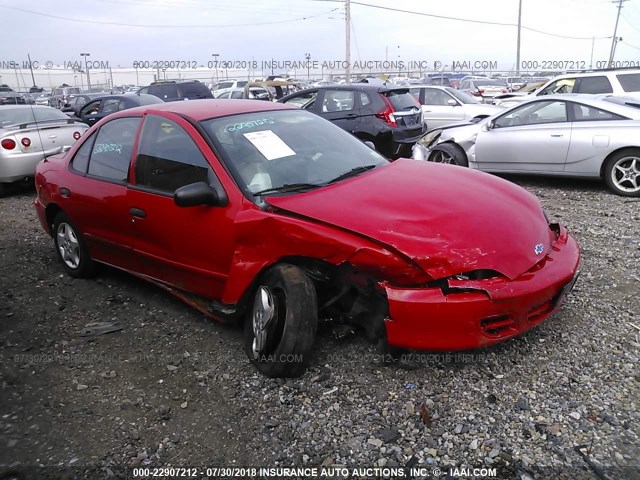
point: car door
(339, 106)
(190, 248)
(593, 136)
(96, 200)
(437, 109)
(533, 137)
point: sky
(125, 31)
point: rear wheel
(4, 188)
(448, 153)
(280, 328)
(622, 173)
(71, 248)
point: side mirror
(369, 144)
(196, 194)
(452, 102)
(489, 125)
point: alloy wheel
(68, 245)
(625, 174)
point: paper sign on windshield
(269, 144)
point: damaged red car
(271, 216)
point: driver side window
(91, 108)
(534, 114)
(305, 100)
(565, 85)
(168, 158)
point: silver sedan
(567, 135)
(29, 133)
(445, 105)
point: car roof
(367, 87)
(597, 73)
(597, 101)
(206, 108)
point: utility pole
(86, 67)
(518, 46)
(347, 8)
(615, 32)
(33, 78)
(593, 41)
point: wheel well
(51, 212)
(614, 153)
(345, 294)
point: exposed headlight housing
(430, 138)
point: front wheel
(622, 173)
(280, 328)
(71, 249)
(448, 153)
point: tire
(622, 173)
(71, 248)
(4, 189)
(448, 153)
(286, 297)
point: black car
(387, 115)
(77, 101)
(11, 98)
(102, 106)
(171, 91)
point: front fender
(290, 236)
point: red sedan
(269, 215)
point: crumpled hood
(448, 219)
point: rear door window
(166, 91)
(338, 100)
(112, 149)
(194, 90)
(600, 84)
(630, 82)
(582, 113)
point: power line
(629, 45)
(469, 20)
(96, 22)
(241, 7)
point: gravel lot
(172, 388)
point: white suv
(624, 83)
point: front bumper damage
(478, 313)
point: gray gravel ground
(172, 388)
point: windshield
(267, 150)
(464, 97)
(17, 116)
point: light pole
(85, 55)
(215, 63)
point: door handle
(137, 212)
(557, 135)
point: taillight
(387, 114)
(8, 144)
(25, 142)
(76, 135)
